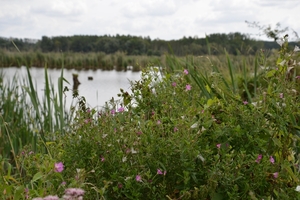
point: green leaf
(37, 176)
(271, 73)
(277, 142)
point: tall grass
(93, 60)
(25, 118)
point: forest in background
(214, 44)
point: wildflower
(63, 183)
(159, 171)
(174, 84)
(102, 159)
(188, 87)
(121, 109)
(186, 71)
(259, 157)
(138, 178)
(50, 197)
(297, 77)
(59, 167)
(218, 146)
(112, 112)
(272, 159)
(275, 174)
(31, 152)
(297, 188)
(281, 95)
(73, 193)
(175, 129)
(245, 102)
(296, 48)
(158, 122)
(139, 133)
(120, 185)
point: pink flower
(174, 84)
(59, 167)
(50, 197)
(102, 159)
(188, 87)
(275, 174)
(245, 102)
(218, 146)
(159, 171)
(175, 129)
(185, 71)
(73, 192)
(112, 112)
(281, 95)
(158, 122)
(121, 109)
(297, 77)
(272, 159)
(138, 178)
(259, 157)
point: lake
(104, 86)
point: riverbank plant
(181, 132)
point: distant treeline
(214, 44)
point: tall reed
(25, 118)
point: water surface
(104, 86)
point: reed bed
(117, 61)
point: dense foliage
(182, 132)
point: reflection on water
(103, 86)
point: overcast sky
(163, 19)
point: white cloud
(164, 19)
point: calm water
(104, 86)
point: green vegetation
(223, 128)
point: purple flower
(112, 112)
(272, 159)
(158, 122)
(218, 146)
(174, 84)
(175, 129)
(275, 174)
(259, 157)
(185, 71)
(59, 167)
(138, 178)
(121, 109)
(188, 87)
(159, 171)
(245, 102)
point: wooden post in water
(75, 82)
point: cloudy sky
(163, 19)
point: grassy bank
(214, 129)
